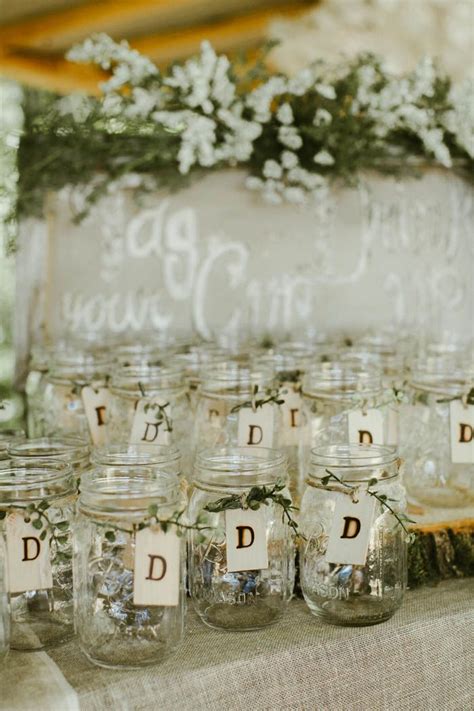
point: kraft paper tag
(29, 562)
(216, 412)
(157, 568)
(151, 422)
(256, 428)
(96, 402)
(246, 540)
(462, 432)
(292, 415)
(365, 427)
(350, 531)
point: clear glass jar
(149, 405)
(344, 593)
(196, 360)
(4, 603)
(38, 503)
(432, 474)
(343, 403)
(230, 412)
(63, 407)
(246, 599)
(73, 450)
(113, 629)
(156, 457)
(289, 369)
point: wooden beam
(55, 75)
(239, 32)
(57, 31)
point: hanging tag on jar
(462, 432)
(156, 571)
(292, 413)
(29, 563)
(350, 531)
(365, 427)
(151, 422)
(256, 428)
(96, 402)
(216, 412)
(246, 540)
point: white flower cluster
(400, 106)
(203, 84)
(199, 102)
(126, 64)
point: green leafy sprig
(259, 496)
(161, 409)
(152, 519)
(38, 516)
(383, 499)
(468, 399)
(254, 403)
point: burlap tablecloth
(420, 660)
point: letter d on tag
(96, 402)
(246, 540)
(29, 563)
(462, 432)
(156, 568)
(256, 428)
(350, 531)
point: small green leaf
(43, 535)
(110, 536)
(43, 505)
(37, 523)
(62, 525)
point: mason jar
(32, 452)
(289, 368)
(36, 510)
(158, 457)
(76, 396)
(241, 568)
(129, 573)
(4, 603)
(149, 405)
(437, 426)
(344, 403)
(353, 561)
(238, 406)
(197, 359)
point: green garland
(291, 135)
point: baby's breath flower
(326, 90)
(272, 169)
(323, 158)
(322, 118)
(289, 159)
(289, 136)
(285, 114)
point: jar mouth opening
(29, 478)
(135, 455)
(228, 376)
(130, 377)
(347, 458)
(127, 485)
(337, 378)
(240, 465)
(50, 448)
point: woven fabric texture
(420, 660)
